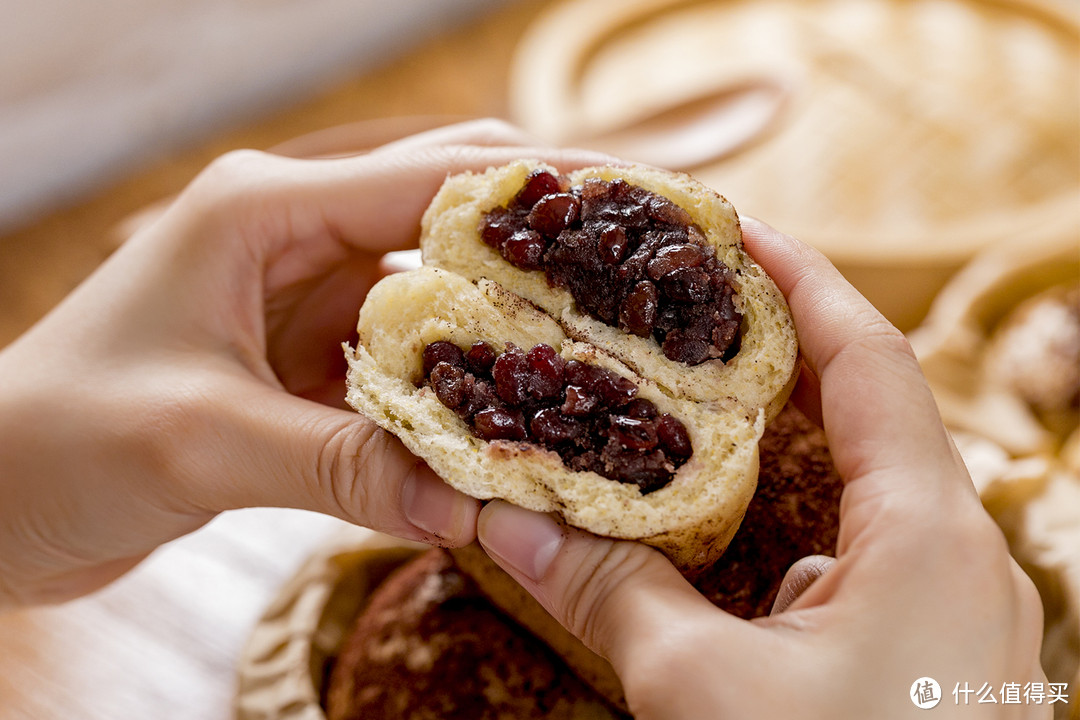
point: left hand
(200, 368)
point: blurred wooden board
(900, 137)
(462, 73)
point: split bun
(467, 292)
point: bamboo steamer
(1024, 458)
(900, 137)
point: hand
(923, 584)
(201, 369)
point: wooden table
(163, 641)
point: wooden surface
(163, 641)
(461, 73)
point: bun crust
(476, 295)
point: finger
(617, 597)
(876, 407)
(372, 202)
(262, 447)
(800, 576)
(807, 394)
(484, 131)
(396, 188)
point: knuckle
(235, 167)
(881, 339)
(350, 454)
(171, 433)
(168, 444)
(1032, 613)
(493, 129)
(595, 587)
(974, 541)
(886, 339)
(164, 426)
(232, 181)
(976, 528)
(455, 156)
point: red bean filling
(590, 416)
(629, 257)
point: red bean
(480, 357)
(538, 184)
(601, 240)
(553, 214)
(442, 351)
(673, 436)
(449, 383)
(637, 314)
(496, 423)
(634, 433)
(579, 402)
(613, 244)
(511, 375)
(587, 414)
(545, 372)
(525, 249)
(670, 258)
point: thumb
(617, 597)
(798, 578)
(264, 447)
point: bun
(795, 513)
(478, 296)
(429, 644)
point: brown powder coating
(629, 258)
(590, 416)
(429, 645)
(795, 512)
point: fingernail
(524, 540)
(433, 506)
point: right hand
(923, 584)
